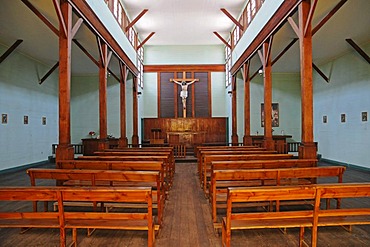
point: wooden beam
(359, 50)
(83, 9)
(76, 27)
(10, 50)
(274, 23)
(310, 16)
(123, 74)
(100, 49)
(294, 26)
(268, 54)
(41, 16)
(328, 16)
(60, 17)
(236, 22)
(260, 55)
(114, 75)
(136, 19)
(49, 73)
(320, 72)
(185, 67)
(145, 40)
(86, 52)
(284, 50)
(222, 39)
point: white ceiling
(183, 22)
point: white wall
(20, 95)
(347, 92)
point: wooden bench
(313, 218)
(222, 179)
(206, 166)
(78, 219)
(73, 177)
(115, 165)
(169, 169)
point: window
(140, 66)
(227, 66)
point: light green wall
(85, 107)
(285, 91)
(150, 93)
(180, 54)
(20, 95)
(348, 92)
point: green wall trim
(24, 167)
(355, 167)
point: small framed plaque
(43, 120)
(25, 119)
(343, 118)
(364, 116)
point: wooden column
(103, 68)
(267, 80)
(308, 148)
(123, 140)
(65, 150)
(234, 135)
(135, 116)
(247, 140)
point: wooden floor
(187, 222)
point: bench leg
(62, 237)
(74, 238)
(90, 231)
(301, 237)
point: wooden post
(308, 148)
(123, 140)
(65, 150)
(135, 136)
(234, 136)
(267, 79)
(247, 140)
(103, 68)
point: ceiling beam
(328, 16)
(310, 16)
(327, 79)
(49, 73)
(10, 50)
(222, 39)
(359, 50)
(41, 16)
(76, 27)
(136, 19)
(145, 40)
(236, 22)
(60, 17)
(294, 26)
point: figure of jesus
(184, 89)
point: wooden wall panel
(215, 128)
(167, 100)
(201, 95)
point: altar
(187, 138)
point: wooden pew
(222, 179)
(169, 170)
(312, 218)
(78, 219)
(73, 177)
(206, 166)
(115, 165)
(28, 217)
(205, 153)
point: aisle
(187, 217)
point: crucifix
(184, 83)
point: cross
(184, 89)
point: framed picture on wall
(364, 116)
(342, 118)
(25, 119)
(325, 119)
(43, 120)
(274, 115)
(4, 118)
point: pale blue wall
(20, 95)
(347, 92)
(85, 107)
(150, 92)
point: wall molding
(185, 67)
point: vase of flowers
(92, 134)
